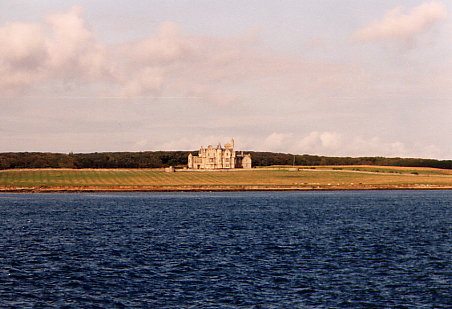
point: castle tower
(230, 145)
(190, 161)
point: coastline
(211, 188)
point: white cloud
(375, 146)
(277, 141)
(400, 26)
(146, 80)
(335, 144)
(316, 143)
(167, 46)
(60, 48)
(313, 142)
(22, 44)
(63, 49)
(330, 139)
(22, 54)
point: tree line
(270, 158)
(159, 159)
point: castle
(219, 158)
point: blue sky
(345, 78)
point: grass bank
(276, 178)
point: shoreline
(211, 188)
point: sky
(321, 77)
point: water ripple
(229, 250)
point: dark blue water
(374, 249)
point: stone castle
(219, 158)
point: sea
(338, 249)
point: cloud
(64, 54)
(372, 146)
(60, 48)
(398, 25)
(320, 142)
(22, 54)
(330, 139)
(327, 143)
(277, 141)
(73, 49)
(22, 44)
(167, 45)
(332, 143)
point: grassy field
(378, 169)
(325, 177)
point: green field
(344, 177)
(378, 169)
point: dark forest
(158, 159)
